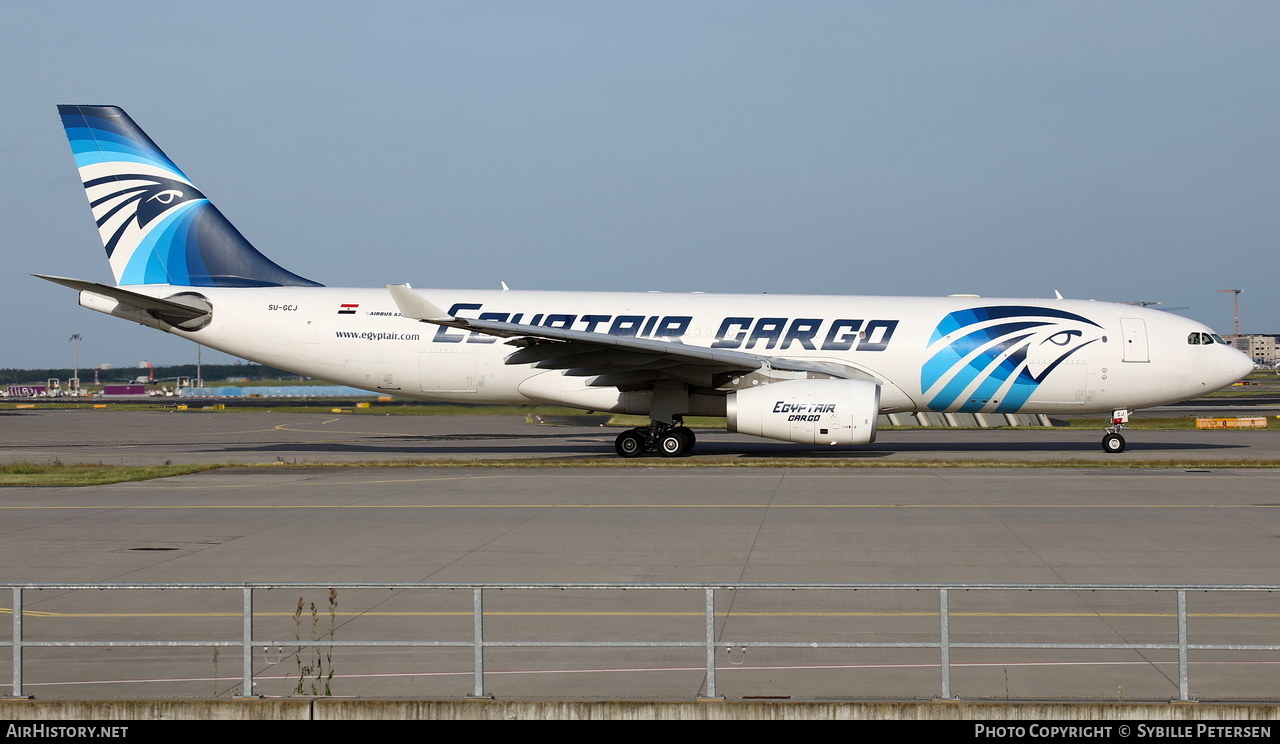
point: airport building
(1262, 348)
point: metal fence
(707, 640)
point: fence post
(1183, 682)
(710, 617)
(477, 636)
(17, 642)
(246, 647)
(944, 642)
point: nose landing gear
(1112, 442)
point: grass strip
(33, 474)
(85, 474)
(234, 405)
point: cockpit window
(1194, 338)
(1219, 339)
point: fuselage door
(1134, 331)
(447, 370)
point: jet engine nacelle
(808, 411)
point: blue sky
(1121, 151)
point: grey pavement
(254, 437)
(951, 525)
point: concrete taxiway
(1176, 525)
(254, 437)
(652, 525)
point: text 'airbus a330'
(796, 368)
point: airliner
(809, 369)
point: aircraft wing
(615, 361)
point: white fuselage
(1033, 356)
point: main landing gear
(664, 439)
(1113, 442)
(666, 433)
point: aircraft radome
(799, 368)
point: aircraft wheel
(629, 444)
(1113, 443)
(689, 438)
(673, 444)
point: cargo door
(447, 371)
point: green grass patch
(1136, 422)
(446, 409)
(415, 409)
(59, 474)
(61, 406)
(233, 405)
(1140, 422)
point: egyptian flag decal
(348, 308)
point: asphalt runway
(1177, 525)
(259, 436)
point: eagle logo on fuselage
(994, 358)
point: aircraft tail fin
(157, 227)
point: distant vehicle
(799, 368)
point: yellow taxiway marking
(660, 613)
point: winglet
(415, 306)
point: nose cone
(1240, 365)
(1230, 365)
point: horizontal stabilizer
(166, 308)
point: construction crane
(1235, 292)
